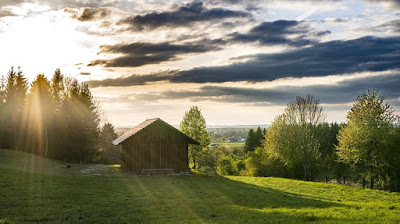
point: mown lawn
(33, 189)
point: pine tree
(2, 109)
(16, 91)
(194, 126)
(110, 152)
(40, 111)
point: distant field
(37, 190)
(230, 144)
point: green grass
(33, 189)
(231, 144)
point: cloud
(90, 14)
(5, 13)
(185, 15)
(132, 80)
(142, 53)
(391, 26)
(391, 3)
(328, 58)
(336, 20)
(341, 93)
(288, 32)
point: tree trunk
(371, 186)
(15, 132)
(46, 141)
(364, 182)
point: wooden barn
(154, 145)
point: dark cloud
(132, 80)
(85, 73)
(90, 14)
(329, 58)
(183, 16)
(280, 32)
(344, 92)
(140, 53)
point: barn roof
(145, 124)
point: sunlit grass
(33, 189)
(231, 144)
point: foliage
(254, 139)
(39, 111)
(368, 140)
(16, 91)
(110, 153)
(224, 166)
(194, 126)
(292, 137)
(55, 119)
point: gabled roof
(145, 124)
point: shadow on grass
(203, 198)
(197, 198)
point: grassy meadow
(38, 190)
(231, 144)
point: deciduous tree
(367, 141)
(291, 137)
(194, 126)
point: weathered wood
(156, 146)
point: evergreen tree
(2, 109)
(110, 152)
(367, 141)
(40, 111)
(194, 126)
(16, 91)
(57, 88)
(254, 139)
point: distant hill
(219, 128)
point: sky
(241, 62)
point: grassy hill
(34, 189)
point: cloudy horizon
(241, 62)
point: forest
(54, 118)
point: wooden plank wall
(155, 147)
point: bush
(224, 166)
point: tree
(40, 110)
(16, 91)
(57, 88)
(368, 140)
(291, 137)
(78, 112)
(194, 126)
(110, 152)
(2, 108)
(254, 139)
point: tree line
(300, 144)
(55, 118)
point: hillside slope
(34, 189)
